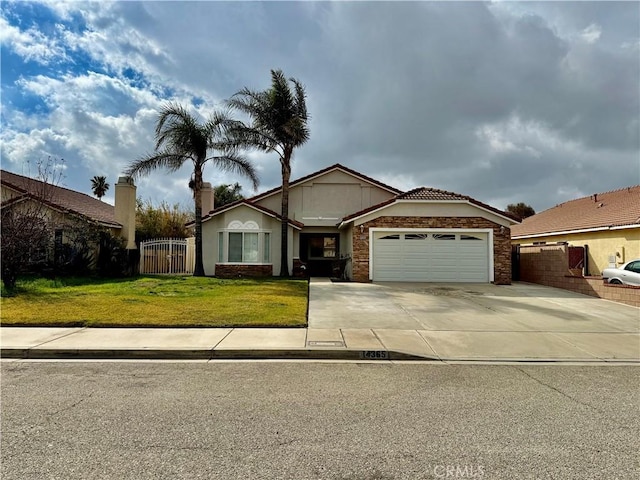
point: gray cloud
(506, 102)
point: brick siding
(501, 241)
(224, 270)
(549, 265)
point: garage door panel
(431, 257)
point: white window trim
(488, 231)
(225, 243)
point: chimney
(126, 210)
(207, 198)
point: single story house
(608, 224)
(376, 232)
(63, 206)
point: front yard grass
(154, 301)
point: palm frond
(243, 136)
(300, 101)
(278, 115)
(178, 130)
(169, 160)
(236, 164)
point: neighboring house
(339, 217)
(63, 206)
(607, 223)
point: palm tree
(179, 138)
(99, 186)
(278, 124)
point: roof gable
(247, 203)
(424, 194)
(601, 210)
(325, 171)
(60, 198)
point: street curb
(204, 354)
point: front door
(319, 251)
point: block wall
(549, 265)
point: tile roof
(431, 194)
(424, 193)
(61, 198)
(601, 210)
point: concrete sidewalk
(439, 322)
(310, 343)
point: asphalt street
(303, 420)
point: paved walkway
(339, 330)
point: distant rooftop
(61, 198)
(601, 210)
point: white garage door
(430, 257)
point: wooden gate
(167, 256)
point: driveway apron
(475, 321)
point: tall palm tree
(99, 186)
(179, 138)
(278, 124)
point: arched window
(244, 243)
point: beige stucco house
(342, 220)
(608, 224)
(63, 207)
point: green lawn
(157, 301)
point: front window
(235, 247)
(323, 247)
(244, 247)
(250, 248)
(266, 253)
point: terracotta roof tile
(431, 194)
(423, 193)
(62, 198)
(601, 210)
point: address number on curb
(374, 355)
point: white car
(627, 274)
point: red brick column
(224, 270)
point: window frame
(263, 253)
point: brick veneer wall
(224, 270)
(549, 265)
(501, 241)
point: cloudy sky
(505, 102)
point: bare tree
(27, 226)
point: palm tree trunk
(284, 239)
(198, 271)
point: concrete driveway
(474, 321)
(472, 307)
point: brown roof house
(607, 223)
(64, 207)
(343, 223)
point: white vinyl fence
(168, 256)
